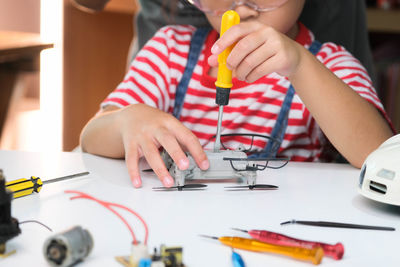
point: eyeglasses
(218, 7)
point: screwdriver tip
(240, 230)
(208, 236)
(288, 222)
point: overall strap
(196, 45)
(278, 132)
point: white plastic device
(380, 173)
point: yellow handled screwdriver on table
(24, 187)
(224, 78)
(314, 255)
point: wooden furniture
(384, 29)
(383, 20)
(19, 51)
(95, 58)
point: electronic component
(166, 257)
(139, 252)
(9, 226)
(163, 257)
(171, 256)
(68, 247)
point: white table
(307, 191)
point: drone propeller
(186, 187)
(252, 187)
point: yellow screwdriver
(224, 78)
(24, 187)
(314, 255)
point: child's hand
(144, 130)
(260, 50)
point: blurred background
(57, 63)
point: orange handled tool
(314, 255)
(334, 251)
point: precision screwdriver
(224, 78)
(334, 251)
(340, 225)
(24, 187)
(314, 255)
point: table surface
(307, 191)
(20, 43)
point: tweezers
(340, 225)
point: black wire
(34, 221)
(278, 167)
(258, 167)
(250, 134)
(273, 140)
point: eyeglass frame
(235, 4)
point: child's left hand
(260, 50)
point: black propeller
(252, 187)
(186, 187)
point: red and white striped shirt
(253, 108)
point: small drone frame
(238, 164)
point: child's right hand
(144, 130)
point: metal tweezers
(340, 225)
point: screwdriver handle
(23, 187)
(224, 78)
(334, 251)
(237, 260)
(314, 255)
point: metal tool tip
(208, 236)
(288, 222)
(240, 230)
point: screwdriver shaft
(217, 144)
(65, 177)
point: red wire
(107, 205)
(146, 236)
(113, 211)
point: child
(334, 101)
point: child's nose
(245, 12)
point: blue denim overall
(278, 132)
